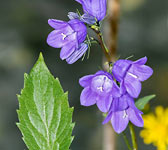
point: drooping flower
(156, 128)
(98, 89)
(69, 36)
(95, 8)
(130, 74)
(122, 111)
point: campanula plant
(45, 118)
(112, 90)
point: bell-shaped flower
(98, 89)
(122, 111)
(131, 73)
(68, 36)
(95, 8)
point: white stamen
(134, 76)
(63, 36)
(125, 115)
(100, 88)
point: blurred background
(143, 31)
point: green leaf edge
(141, 102)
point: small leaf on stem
(141, 102)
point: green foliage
(140, 103)
(45, 118)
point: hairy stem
(133, 136)
(102, 44)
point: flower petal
(79, 27)
(87, 97)
(69, 48)
(96, 8)
(119, 121)
(132, 85)
(120, 104)
(55, 39)
(143, 72)
(135, 117)
(86, 80)
(141, 61)
(77, 54)
(66, 51)
(130, 102)
(88, 19)
(104, 103)
(72, 15)
(60, 25)
(108, 118)
(115, 90)
(79, 1)
(120, 68)
(122, 88)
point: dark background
(143, 31)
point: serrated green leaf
(45, 118)
(141, 102)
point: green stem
(101, 42)
(133, 136)
(126, 141)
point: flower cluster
(117, 98)
(114, 92)
(71, 36)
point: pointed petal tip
(79, 1)
(118, 131)
(118, 122)
(141, 61)
(50, 21)
(108, 118)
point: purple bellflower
(70, 37)
(95, 8)
(98, 89)
(130, 74)
(123, 110)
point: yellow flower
(156, 128)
